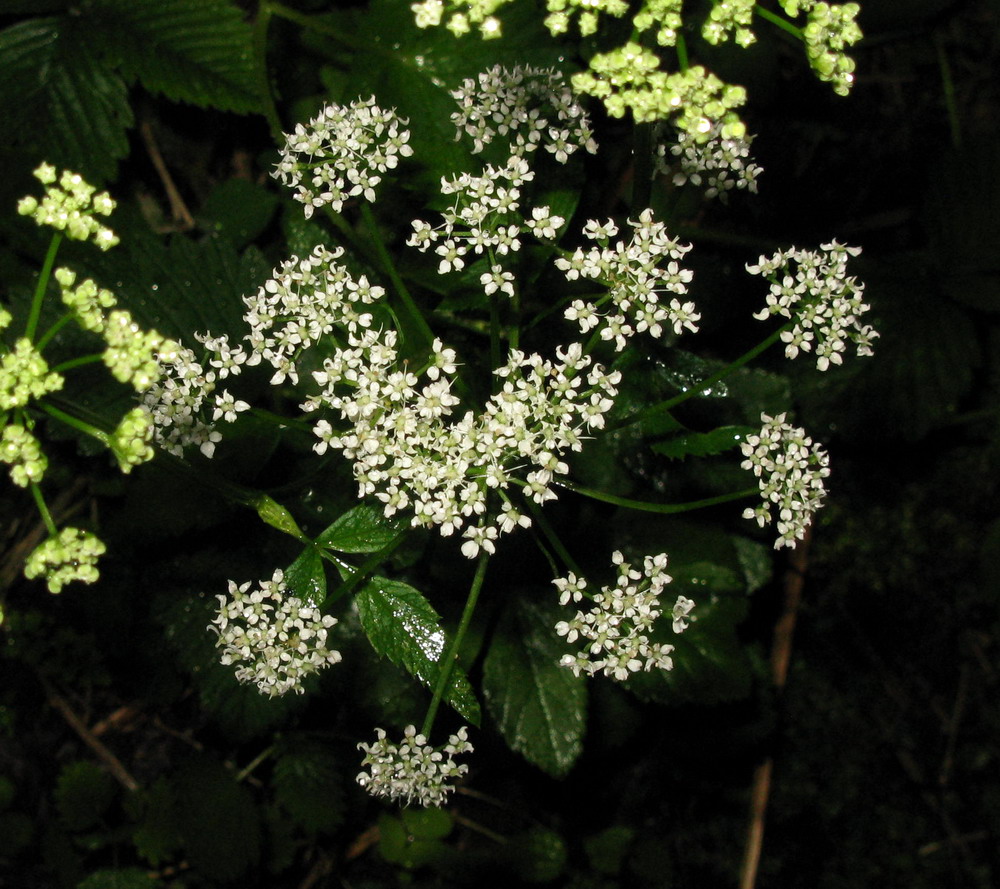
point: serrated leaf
(306, 577)
(703, 444)
(710, 664)
(157, 835)
(403, 626)
(539, 707)
(308, 785)
(239, 210)
(221, 827)
(363, 529)
(197, 51)
(59, 101)
(83, 794)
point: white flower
(790, 470)
(719, 164)
(615, 629)
(276, 639)
(413, 771)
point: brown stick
(178, 209)
(781, 655)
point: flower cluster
(70, 205)
(730, 17)
(341, 153)
(20, 450)
(277, 639)
(410, 455)
(485, 217)
(719, 164)
(469, 12)
(71, 555)
(413, 771)
(533, 106)
(827, 304)
(132, 438)
(133, 355)
(635, 281)
(24, 375)
(615, 628)
(790, 470)
(830, 29)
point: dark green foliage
(83, 794)
(308, 784)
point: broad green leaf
(239, 210)
(197, 51)
(83, 793)
(157, 835)
(539, 706)
(363, 529)
(703, 444)
(220, 827)
(58, 99)
(308, 784)
(403, 626)
(306, 577)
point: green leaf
(58, 99)
(539, 706)
(83, 794)
(308, 784)
(703, 444)
(277, 516)
(306, 577)
(221, 826)
(119, 878)
(239, 210)
(363, 529)
(538, 856)
(157, 834)
(197, 51)
(403, 626)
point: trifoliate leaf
(59, 100)
(83, 794)
(308, 784)
(221, 827)
(539, 706)
(403, 626)
(197, 51)
(363, 529)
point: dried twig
(178, 209)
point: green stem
(244, 773)
(46, 337)
(43, 283)
(682, 53)
(948, 86)
(319, 27)
(444, 674)
(777, 20)
(264, 12)
(50, 525)
(495, 333)
(94, 358)
(662, 508)
(546, 528)
(642, 166)
(390, 269)
(357, 575)
(668, 405)
(76, 423)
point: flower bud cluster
(24, 375)
(665, 15)
(71, 555)
(730, 17)
(21, 451)
(635, 280)
(830, 29)
(629, 78)
(131, 440)
(342, 153)
(410, 454)
(826, 304)
(484, 218)
(87, 301)
(615, 628)
(719, 164)
(133, 355)
(413, 771)
(790, 470)
(463, 14)
(533, 106)
(277, 639)
(71, 206)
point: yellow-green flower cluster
(463, 16)
(629, 78)
(71, 555)
(70, 205)
(22, 452)
(830, 29)
(87, 301)
(131, 439)
(24, 374)
(666, 15)
(134, 355)
(730, 17)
